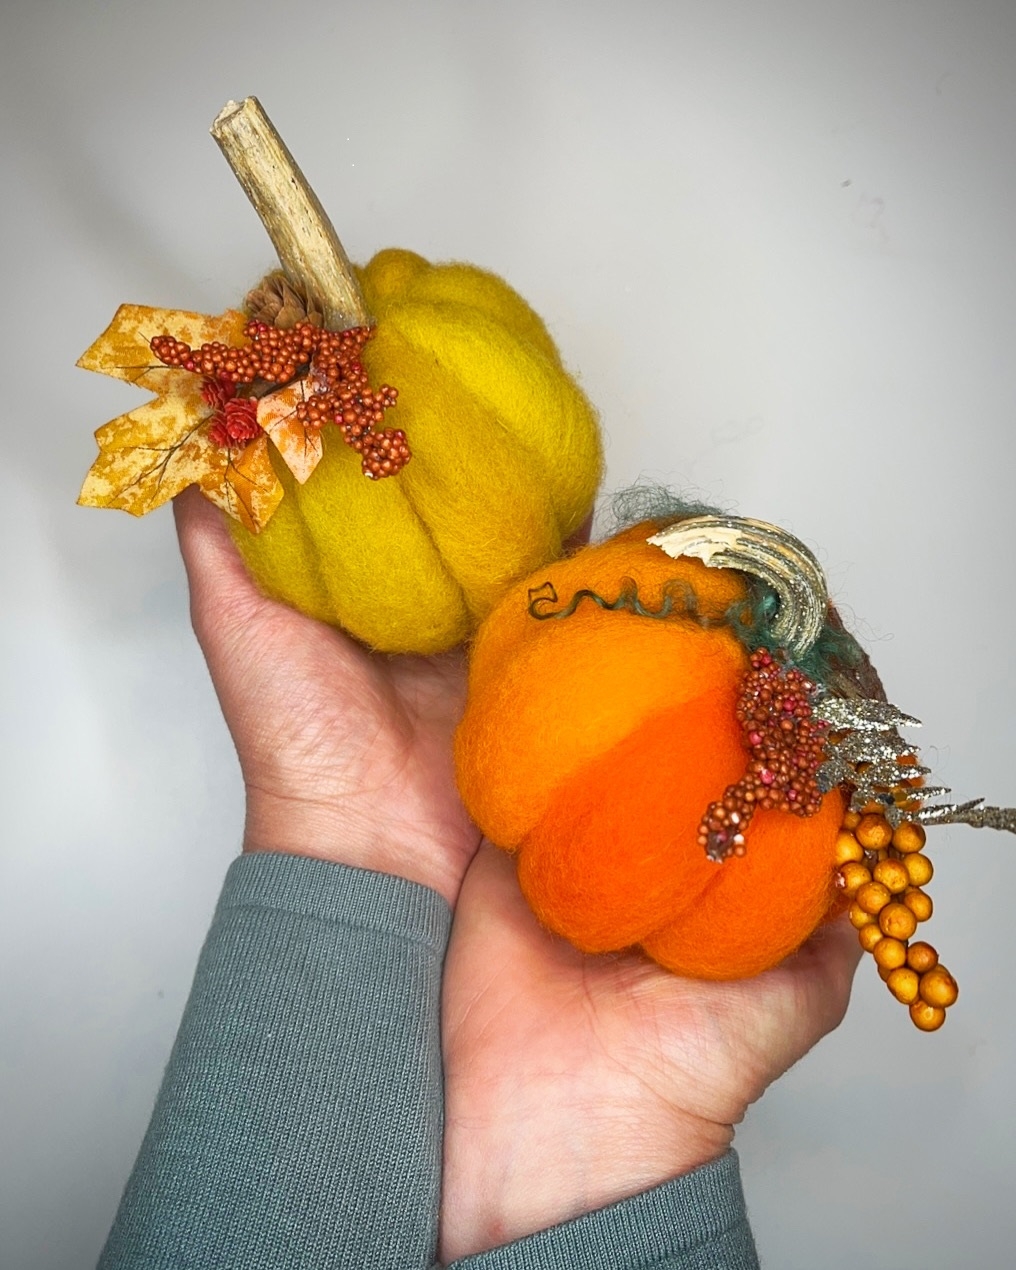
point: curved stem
(308, 247)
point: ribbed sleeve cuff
(694, 1222)
(299, 886)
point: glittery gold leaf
(299, 445)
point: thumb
(806, 996)
(224, 600)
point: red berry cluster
(787, 745)
(330, 361)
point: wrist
(337, 835)
(545, 1178)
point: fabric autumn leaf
(299, 443)
(225, 387)
(148, 455)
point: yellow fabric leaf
(246, 486)
(149, 455)
(300, 446)
(122, 351)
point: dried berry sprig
(328, 361)
(787, 746)
(882, 870)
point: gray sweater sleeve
(299, 1120)
(694, 1222)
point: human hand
(346, 755)
(574, 1081)
(571, 1081)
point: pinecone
(278, 302)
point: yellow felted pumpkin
(506, 462)
(505, 448)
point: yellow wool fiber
(506, 462)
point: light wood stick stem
(306, 242)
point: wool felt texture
(506, 462)
(591, 746)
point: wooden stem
(306, 242)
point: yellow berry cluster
(882, 871)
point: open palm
(346, 755)
(573, 1081)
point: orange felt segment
(615, 855)
(570, 691)
(601, 568)
(546, 697)
(762, 906)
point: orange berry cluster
(272, 355)
(787, 747)
(344, 397)
(329, 361)
(882, 871)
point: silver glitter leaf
(867, 755)
(866, 758)
(931, 791)
(970, 813)
(863, 714)
(873, 747)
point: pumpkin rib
(386, 274)
(508, 534)
(340, 604)
(461, 313)
(313, 559)
(562, 459)
(407, 494)
(395, 275)
(444, 284)
(265, 566)
(294, 555)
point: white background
(774, 240)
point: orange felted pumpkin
(595, 738)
